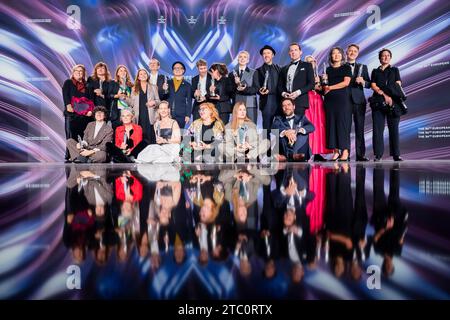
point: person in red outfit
(128, 139)
(316, 114)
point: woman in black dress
(338, 108)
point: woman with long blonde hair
(241, 137)
(120, 91)
(168, 138)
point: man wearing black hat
(266, 80)
(178, 94)
(296, 80)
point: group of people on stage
(115, 118)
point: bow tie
(294, 63)
(352, 64)
(290, 118)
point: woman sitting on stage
(206, 133)
(168, 138)
(241, 138)
(128, 140)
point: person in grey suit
(243, 87)
(93, 146)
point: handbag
(82, 105)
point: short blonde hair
(244, 52)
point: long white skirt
(155, 153)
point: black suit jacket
(194, 87)
(357, 90)
(180, 101)
(159, 84)
(303, 81)
(224, 89)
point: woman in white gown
(168, 138)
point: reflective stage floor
(322, 231)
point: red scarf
(81, 85)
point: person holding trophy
(120, 91)
(99, 85)
(360, 80)
(293, 133)
(78, 104)
(200, 85)
(243, 88)
(241, 137)
(296, 79)
(316, 114)
(221, 90)
(265, 81)
(143, 100)
(92, 146)
(338, 108)
(177, 91)
(168, 138)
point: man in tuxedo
(293, 133)
(268, 92)
(96, 135)
(243, 88)
(296, 80)
(360, 80)
(155, 77)
(200, 83)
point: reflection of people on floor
(241, 190)
(212, 215)
(270, 234)
(79, 226)
(129, 194)
(339, 218)
(389, 219)
(359, 224)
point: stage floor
(303, 231)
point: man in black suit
(360, 80)
(200, 85)
(155, 77)
(267, 90)
(293, 133)
(296, 80)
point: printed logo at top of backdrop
(41, 41)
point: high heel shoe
(343, 160)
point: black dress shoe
(397, 158)
(363, 159)
(377, 159)
(80, 159)
(319, 158)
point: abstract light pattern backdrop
(41, 40)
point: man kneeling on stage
(293, 131)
